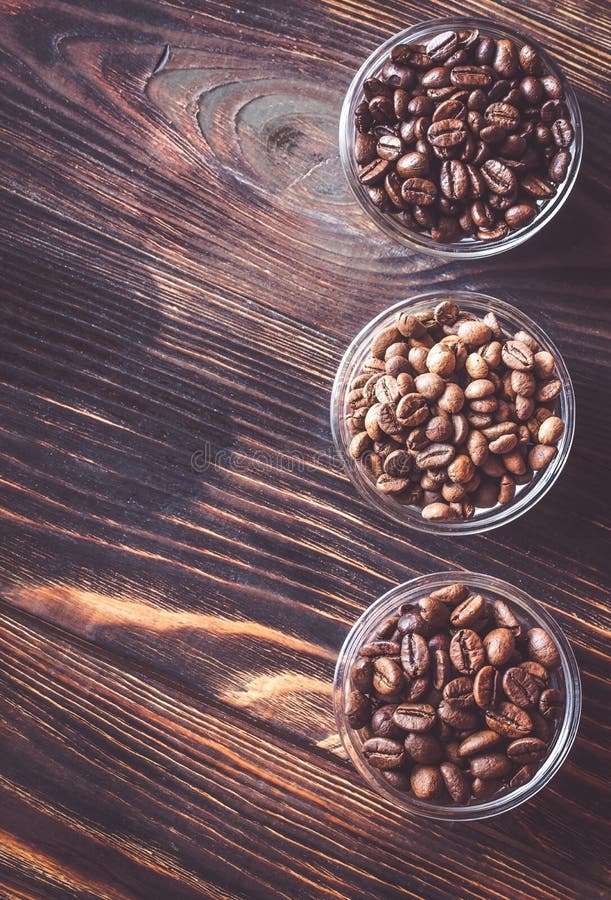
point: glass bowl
(469, 247)
(566, 677)
(511, 320)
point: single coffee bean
(415, 657)
(387, 676)
(418, 688)
(451, 594)
(382, 724)
(441, 668)
(468, 612)
(414, 716)
(538, 672)
(397, 779)
(550, 703)
(485, 789)
(467, 651)
(559, 166)
(487, 688)
(509, 720)
(357, 709)
(490, 765)
(459, 692)
(522, 776)
(525, 751)
(423, 748)
(361, 674)
(374, 172)
(498, 177)
(542, 649)
(434, 612)
(499, 645)
(478, 742)
(455, 782)
(426, 782)
(380, 648)
(435, 456)
(520, 687)
(383, 753)
(458, 717)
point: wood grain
(183, 267)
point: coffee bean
(357, 709)
(374, 172)
(491, 765)
(380, 648)
(498, 177)
(387, 676)
(499, 645)
(550, 703)
(467, 651)
(478, 742)
(361, 674)
(526, 751)
(456, 784)
(414, 717)
(487, 688)
(411, 410)
(459, 692)
(383, 753)
(426, 782)
(509, 720)
(423, 748)
(559, 166)
(468, 612)
(415, 657)
(417, 688)
(420, 191)
(542, 648)
(382, 724)
(522, 776)
(397, 779)
(520, 687)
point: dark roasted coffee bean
(383, 753)
(388, 678)
(415, 657)
(445, 133)
(420, 191)
(458, 717)
(505, 61)
(454, 180)
(459, 692)
(357, 709)
(412, 621)
(417, 689)
(520, 687)
(522, 776)
(456, 783)
(563, 134)
(364, 148)
(414, 716)
(498, 177)
(374, 172)
(487, 687)
(382, 109)
(520, 215)
(412, 165)
(484, 790)
(509, 720)
(559, 166)
(361, 674)
(382, 724)
(397, 779)
(389, 147)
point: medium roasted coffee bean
(550, 703)
(520, 687)
(388, 678)
(451, 594)
(490, 765)
(397, 779)
(380, 648)
(509, 720)
(459, 692)
(358, 709)
(411, 410)
(434, 612)
(435, 456)
(441, 668)
(426, 782)
(525, 751)
(414, 716)
(415, 657)
(499, 645)
(383, 753)
(542, 649)
(478, 742)
(468, 612)
(423, 748)
(538, 672)
(487, 688)
(458, 717)
(522, 776)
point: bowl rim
(566, 732)
(531, 493)
(467, 248)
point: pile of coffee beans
(456, 696)
(451, 413)
(463, 137)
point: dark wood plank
(157, 794)
(183, 268)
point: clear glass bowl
(511, 320)
(469, 247)
(566, 678)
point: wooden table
(181, 554)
